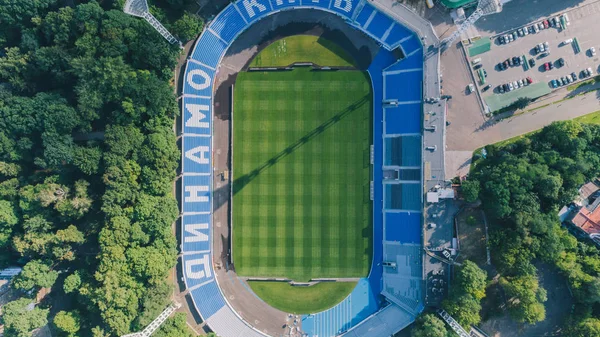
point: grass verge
(591, 118)
(302, 300)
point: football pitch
(301, 173)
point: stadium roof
(457, 3)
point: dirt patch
(471, 236)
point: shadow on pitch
(241, 182)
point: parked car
(505, 87)
(555, 22)
(593, 51)
(471, 87)
(561, 62)
(546, 24)
(529, 80)
(514, 34)
(540, 47)
(531, 62)
(520, 83)
(484, 73)
(567, 41)
(569, 79)
(510, 86)
(574, 76)
(546, 46)
(476, 67)
(487, 87)
(525, 82)
(540, 25)
(544, 54)
(554, 84)
(515, 60)
(547, 66)
(590, 72)
(525, 31)
(510, 62)
(500, 89)
(520, 32)
(559, 82)
(516, 84)
(509, 37)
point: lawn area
(591, 118)
(497, 102)
(302, 300)
(301, 172)
(303, 48)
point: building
(587, 217)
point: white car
(510, 86)
(471, 87)
(590, 72)
(535, 29)
(540, 25)
(516, 84)
(566, 19)
(593, 51)
(541, 47)
(525, 31)
(546, 46)
(520, 83)
(567, 41)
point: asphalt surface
(581, 18)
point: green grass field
(301, 144)
(303, 48)
(312, 299)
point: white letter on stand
(194, 194)
(197, 236)
(201, 73)
(203, 273)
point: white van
(567, 19)
(476, 61)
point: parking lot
(583, 21)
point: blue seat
(209, 49)
(228, 23)
(364, 15)
(379, 25)
(397, 33)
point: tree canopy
(523, 185)
(87, 160)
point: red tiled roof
(588, 221)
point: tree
(67, 322)
(471, 280)
(525, 298)
(429, 325)
(72, 282)
(35, 274)
(589, 327)
(8, 219)
(464, 308)
(187, 27)
(470, 190)
(175, 327)
(20, 317)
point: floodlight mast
(140, 9)
(484, 7)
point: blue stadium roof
(403, 227)
(403, 119)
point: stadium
(325, 154)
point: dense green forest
(522, 186)
(88, 156)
